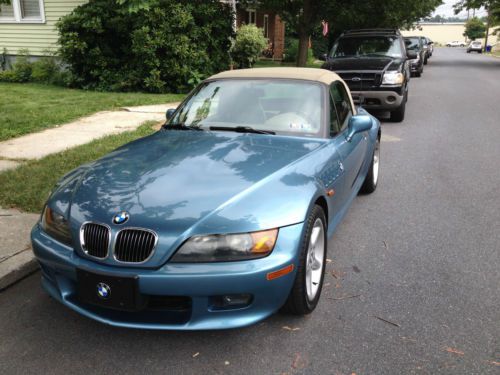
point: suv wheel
(398, 114)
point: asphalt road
(413, 286)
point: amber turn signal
(263, 242)
(282, 272)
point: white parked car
(455, 43)
(475, 46)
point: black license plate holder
(123, 293)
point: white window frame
(250, 13)
(266, 25)
(16, 6)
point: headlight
(393, 78)
(56, 225)
(224, 248)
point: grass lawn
(28, 186)
(27, 107)
(271, 64)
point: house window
(266, 25)
(22, 11)
(251, 16)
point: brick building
(270, 22)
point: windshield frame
(322, 132)
(397, 40)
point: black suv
(374, 64)
(416, 43)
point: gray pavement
(421, 255)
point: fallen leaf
(290, 328)
(327, 284)
(385, 245)
(227, 363)
(196, 354)
(334, 274)
(454, 351)
(299, 362)
(337, 285)
(328, 260)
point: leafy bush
(248, 46)
(21, 70)
(167, 46)
(45, 70)
(292, 51)
(23, 66)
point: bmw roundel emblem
(121, 217)
(103, 290)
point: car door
(351, 152)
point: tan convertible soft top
(309, 74)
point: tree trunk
(303, 48)
(304, 32)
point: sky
(447, 10)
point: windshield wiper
(242, 129)
(180, 127)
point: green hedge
(166, 47)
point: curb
(17, 267)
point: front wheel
(398, 115)
(308, 283)
(371, 179)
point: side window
(342, 104)
(334, 120)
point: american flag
(325, 27)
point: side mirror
(323, 57)
(411, 54)
(170, 113)
(358, 124)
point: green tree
(492, 8)
(249, 44)
(474, 28)
(305, 16)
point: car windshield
(361, 46)
(279, 106)
(412, 43)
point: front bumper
(198, 282)
(383, 100)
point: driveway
(413, 282)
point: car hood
(362, 63)
(172, 180)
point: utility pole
(487, 27)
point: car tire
(418, 74)
(306, 290)
(425, 61)
(398, 114)
(371, 180)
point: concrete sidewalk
(16, 257)
(79, 132)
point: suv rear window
(368, 45)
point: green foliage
(44, 70)
(474, 29)
(248, 46)
(3, 59)
(154, 46)
(305, 16)
(292, 51)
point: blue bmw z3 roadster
(222, 217)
